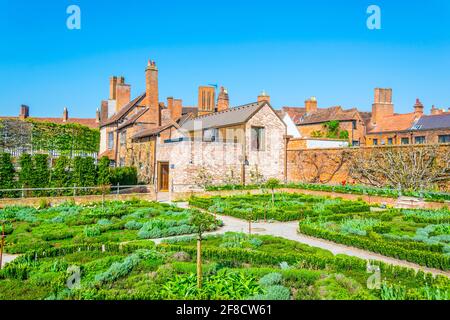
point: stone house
(181, 148)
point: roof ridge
(225, 111)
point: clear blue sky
(292, 49)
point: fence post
(23, 191)
(74, 190)
(118, 189)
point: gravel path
(8, 258)
(289, 230)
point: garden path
(289, 230)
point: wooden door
(163, 176)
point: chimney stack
(311, 105)
(418, 108)
(177, 109)
(112, 88)
(223, 101)
(123, 93)
(24, 112)
(97, 116)
(153, 115)
(65, 114)
(206, 100)
(104, 110)
(382, 106)
(263, 96)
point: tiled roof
(133, 118)
(151, 132)
(396, 122)
(430, 122)
(193, 110)
(88, 122)
(124, 110)
(300, 117)
(224, 118)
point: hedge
(425, 258)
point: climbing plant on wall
(64, 138)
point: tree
(26, 170)
(273, 183)
(104, 173)
(61, 173)
(250, 217)
(41, 172)
(412, 167)
(7, 173)
(322, 167)
(202, 222)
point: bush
(124, 176)
(271, 279)
(133, 225)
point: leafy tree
(7, 172)
(273, 183)
(124, 176)
(26, 170)
(41, 172)
(61, 175)
(202, 222)
(343, 135)
(104, 172)
(332, 128)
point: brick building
(388, 128)
(172, 145)
(311, 121)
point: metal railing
(73, 191)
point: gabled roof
(229, 117)
(193, 110)
(396, 122)
(124, 110)
(133, 119)
(152, 132)
(300, 117)
(432, 122)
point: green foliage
(41, 173)
(271, 279)
(61, 175)
(202, 222)
(6, 173)
(26, 170)
(125, 176)
(104, 174)
(84, 172)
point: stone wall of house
(331, 165)
(270, 161)
(217, 162)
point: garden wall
(332, 165)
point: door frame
(160, 164)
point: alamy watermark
(374, 20)
(73, 21)
(374, 281)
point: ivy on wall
(63, 138)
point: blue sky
(292, 49)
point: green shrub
(271, 279)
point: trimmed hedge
(425, 258)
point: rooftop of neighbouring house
(433, 122)
(320, 115)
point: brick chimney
(206, 100)
(97, 116)
(112, 88)
(24, 112)
(177, 109)
(223, 101)
(65, 116)
(104, 110)
(153, 115)
(263, 96)
(123, 93)
(418, 108)
(382, 105)
(311, 105)
(435, 110)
